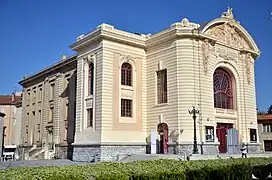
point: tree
(269, 110)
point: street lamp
(194, 112)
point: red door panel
(221, 135)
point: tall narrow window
(90, 79)
(253, 135)
(126, 74)
(34, 97)
(209, 133)
(51, 114)
(162, 86)
(26, 127)
(126, 108)
(52, 91)
(65, 134)
(40, 117)
(40, 94)
(223, 92)
(66, 111)
(28, 98)
(39, 135)
(90, 117)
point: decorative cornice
(89, 58)
(49, 69)
(107, 32)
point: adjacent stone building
(265, 131)
(48, 110)
(2, 115)
(9, 106)
(129, 84)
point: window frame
(162, 87)
(251, 136)
(223, 98)
(126, 74)
(126, 108)
(211, 128)
(90, 122)
(52, 91)
(90, 78)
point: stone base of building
(38, 152)
(205, 148)
(254, 148)
(91, 153)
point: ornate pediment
(227, 33)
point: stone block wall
(105, 152)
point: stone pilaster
(57, 109)
(79, 94)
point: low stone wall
(87, 153)
(254, 148)
(206, 148)
(61, 152)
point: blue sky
(34, 34)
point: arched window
(90, 79)
(222, 87)
(126, 74)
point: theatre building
(129, 85)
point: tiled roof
(264, 117)
(7, 100)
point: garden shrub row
(221, 169)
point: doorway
(267, 145)
(221, 133)
(163, 142)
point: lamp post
(194, 112)
(3, 139)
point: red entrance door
(221, 132)
(163, 131)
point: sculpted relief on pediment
(228, 34)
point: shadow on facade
(70, 93)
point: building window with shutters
(126, 108)
(162, 86)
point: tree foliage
(269, 110)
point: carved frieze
(227, 55)
(248, 64)
(228, 34)
(126, 93)
(207, 49)
(127, 58)
(89, 58)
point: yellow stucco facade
(191, 55)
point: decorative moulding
(207, 50)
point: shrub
(223, 169)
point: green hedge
(223, 169)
